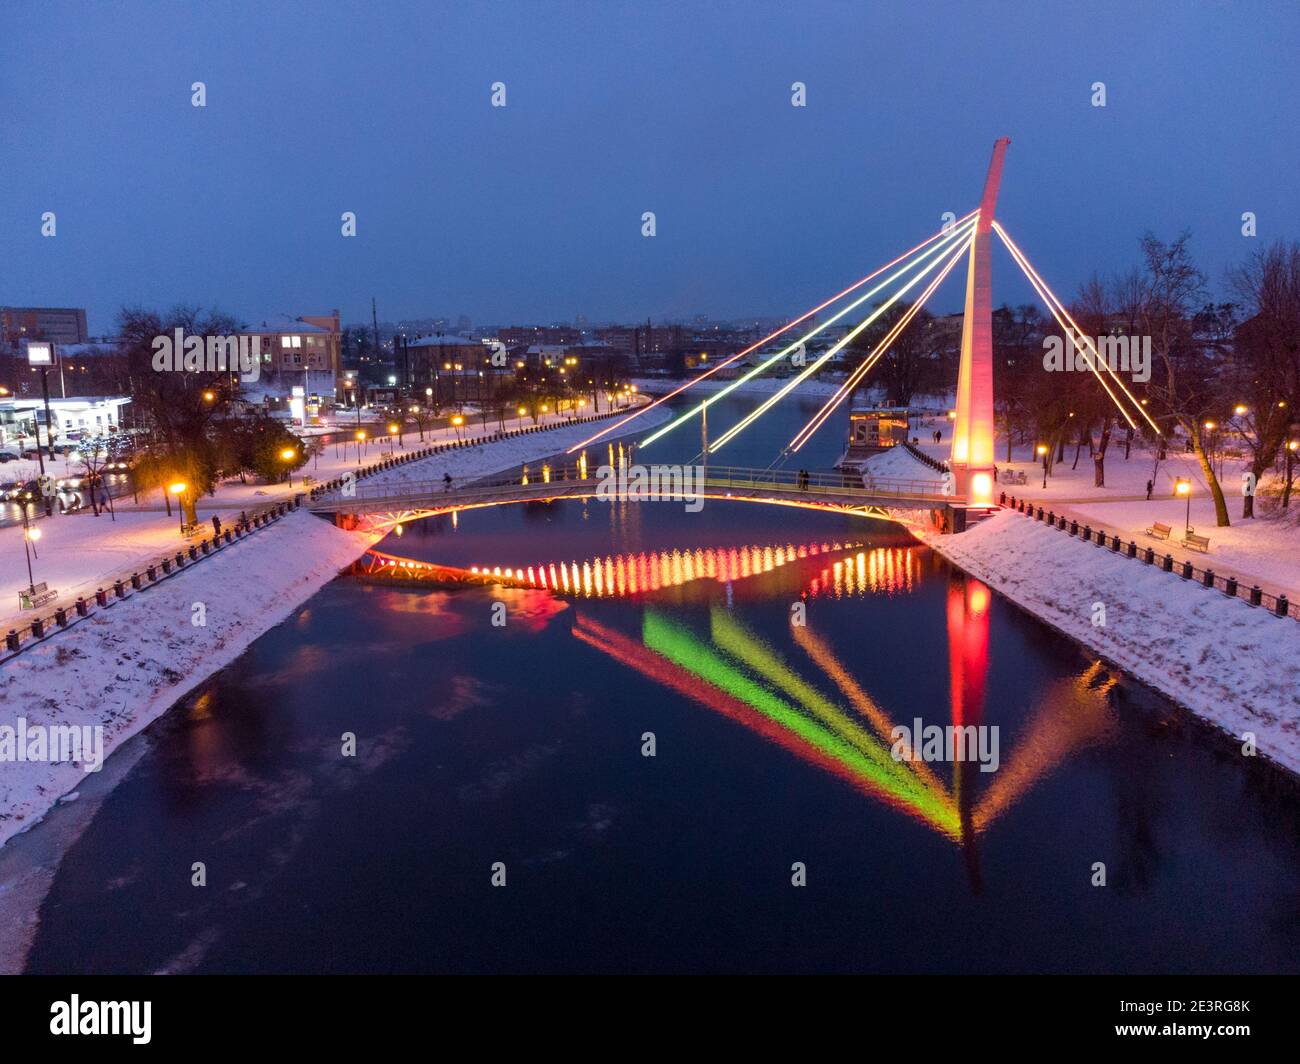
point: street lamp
(178, 489)
(1183, 486)
(361, 437)
(30, 536)
(1042, 450)
(288, 455)
(457, 421)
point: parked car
(9, 490)
(9, 454)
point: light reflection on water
(879, 570)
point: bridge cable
(771, 336)
(960, 236)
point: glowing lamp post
(288, 455)
(393, 430)
(361, 438)
(457, 422)
(178, 489)
(1042, 450)
(1183, 486)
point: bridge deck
(727, 482)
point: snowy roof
(281, 323)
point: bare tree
(1265, 367)
(1189, 389)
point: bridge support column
(972, 440)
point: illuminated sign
(40, 353)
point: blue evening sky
(532, 212)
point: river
(519, 750)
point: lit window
(297, 341)
(284, 341)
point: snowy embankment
(124, 666)
(1231, 664)
(489, 458)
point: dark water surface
(523, 745)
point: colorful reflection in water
(828, 719)
(880, 570)
(634, 574)
(736, 673)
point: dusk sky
(532, 212)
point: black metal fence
(1278, 605)
(922, 457)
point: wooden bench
(1194, 542)
(36, 595)
(1158, 531)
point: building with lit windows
(300, 352)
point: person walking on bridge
(446, 482)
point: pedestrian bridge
(383, 506)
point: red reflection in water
(968, 649)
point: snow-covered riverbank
(123, 667)
(1231, 664)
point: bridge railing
(833, 483)
(574, 477)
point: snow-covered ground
(1229, 663)
(1264, 550)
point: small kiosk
(872, 430)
